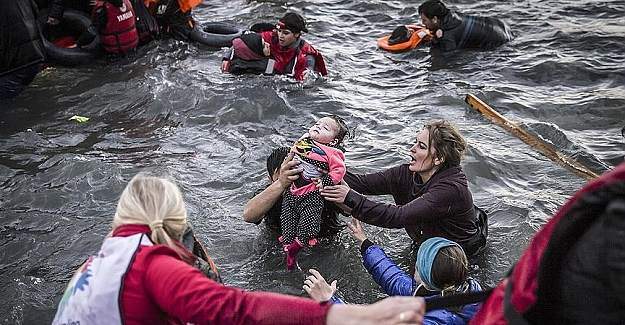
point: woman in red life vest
(115, 22)
(142, 275)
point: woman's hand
(317, 287)
(334, 193)
(390, 311)
(356, 229)
(289, 171)
(397, 310)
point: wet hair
(343, 130)
(293, 22)
(275, 159)
(450, 268)
(433, 8)
(447, 142)
(157, 203)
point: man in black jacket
(451, 30)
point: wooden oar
(541, 146)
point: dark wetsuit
(22, 48)
(462, 32)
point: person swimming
(451, 30)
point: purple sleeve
(432, 205)
(379, 183)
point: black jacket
(461, 31)
(20, 37)
(592, 280)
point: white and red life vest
(291, 61)
(93, 295)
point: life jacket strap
(461, 299)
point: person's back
(592, 275)
(441, 268)
(464, 32)
(573, 270)
(115, 22)
(452, 30)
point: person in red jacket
(115, 22)
(142, 275)
(293, 56)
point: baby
(249, 54)
(318, 149)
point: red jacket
(292, 60)
(518, 294)
(159, 288)
(119, 35)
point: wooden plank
(538, 144)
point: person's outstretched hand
(225, 65)
(390, 311)
(398, 310)
(317, 287)
(289, 171)
(356, 230)
(335, 193)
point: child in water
(249, 54)
(318, 149)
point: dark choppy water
(172, 111)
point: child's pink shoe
(312, 242)
(291, 253)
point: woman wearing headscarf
(441, 269)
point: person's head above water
(275, 160)
(432, 13)
(438, 145)
(329, 130)
(250, 46)
(290, 28)
(155, 202)
(441, 264)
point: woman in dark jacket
(431, 193)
